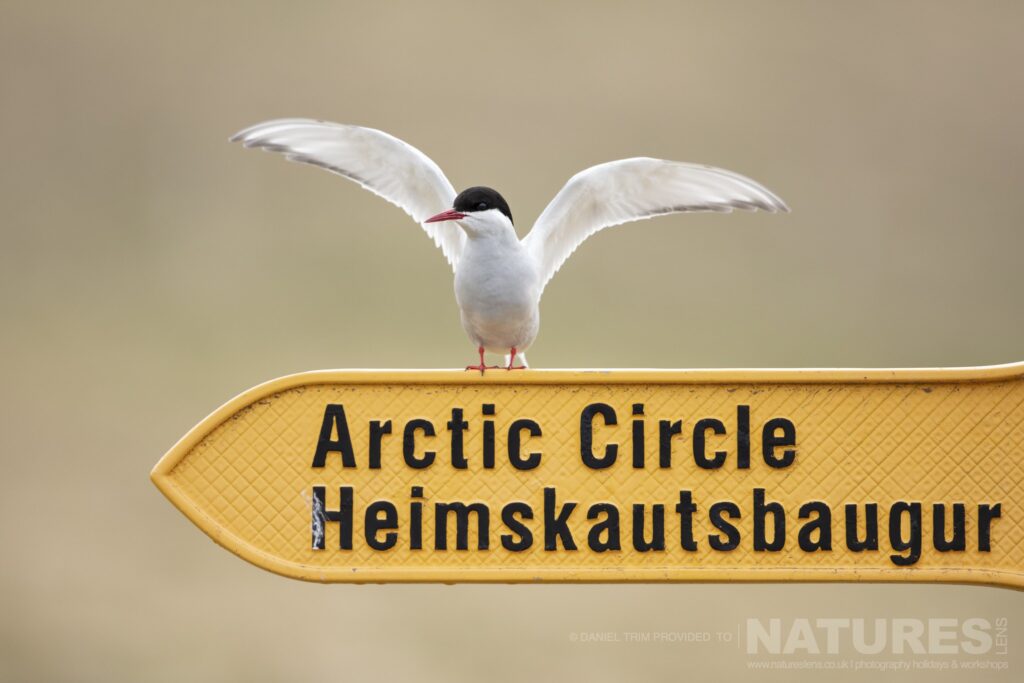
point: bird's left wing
(633, 189)
(381, 163)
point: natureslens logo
(877, 637)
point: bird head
(479, 211)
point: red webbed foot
(483, 366)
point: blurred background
(150, 270)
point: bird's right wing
(633, 189)
(379, 162)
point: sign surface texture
(717, 475)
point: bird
(499, 278)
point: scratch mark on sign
(318, 523)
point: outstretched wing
(633, 189)
(379, 162)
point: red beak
(449, 215)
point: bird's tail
(520, 359)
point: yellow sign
(764, 475)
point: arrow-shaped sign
(717, 475)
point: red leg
(481, 367)
(512, 361)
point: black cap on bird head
(481, 199)
(473, 200)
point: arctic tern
(499, 278)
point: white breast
(497, 287)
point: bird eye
(482, 206)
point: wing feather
(381, 163)
(635, 189)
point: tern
(499, 278)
